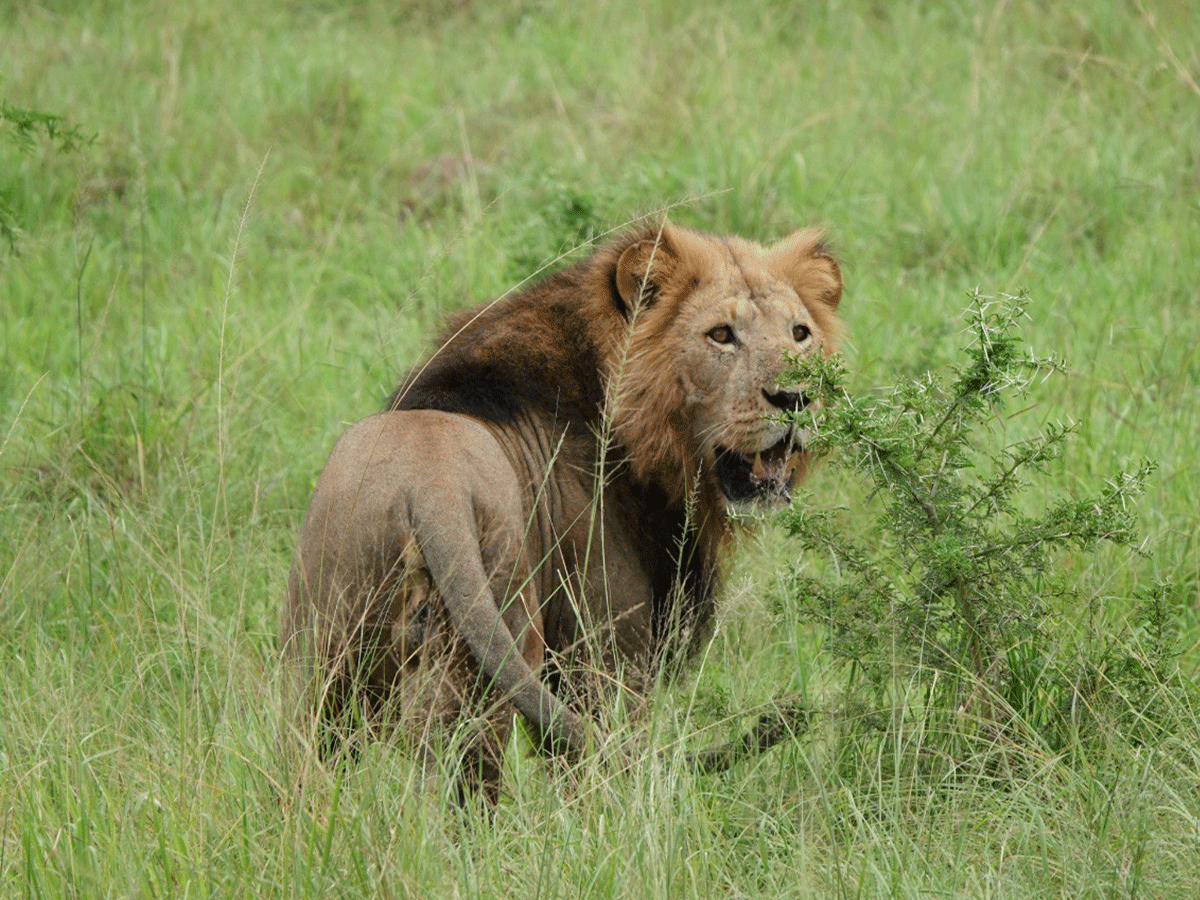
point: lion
(550, 494)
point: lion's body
(552, 487)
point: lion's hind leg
(425, 687)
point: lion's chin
(760, 479)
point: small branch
(789, 718)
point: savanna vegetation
(227, 228)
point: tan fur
(545, 489)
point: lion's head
(694, 396)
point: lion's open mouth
(765, 476)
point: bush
(24, 127)
(954, 596)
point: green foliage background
(281, 201)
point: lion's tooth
(758, 471)
(792, 465)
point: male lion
(548, 494)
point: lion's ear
(644, 267)
(804, 262)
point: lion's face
(735, 339)
(709, 345)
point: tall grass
(281, 202)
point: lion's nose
(788, 401)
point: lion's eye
(722, 334)
(800, 333)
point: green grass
(281, 201)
